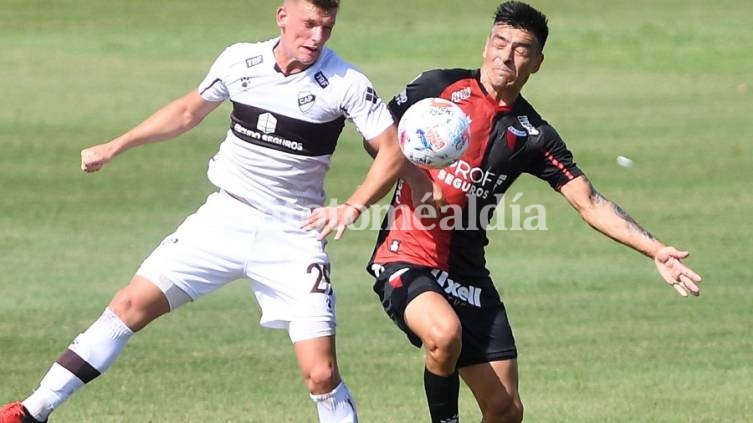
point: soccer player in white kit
(290, 96)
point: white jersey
(284, 129)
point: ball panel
(434, 133)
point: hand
(325, 219)
(93, 158)
(681, 277)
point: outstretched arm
(611, 220)
(170, 121)
(384, 170)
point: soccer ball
(433, 133)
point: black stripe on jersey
(210, 86)
(283, 133)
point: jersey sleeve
(363, 106)
(425, 85)
(214, 85)
(554, 163)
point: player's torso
(283, 129)
(500, 150)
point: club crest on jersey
(253, 61)
(305, 101)
(321, 79)
(527, 125)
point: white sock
(98, 347)
(337, 406)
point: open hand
(675, 273)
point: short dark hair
(326, 4)
(523, 16)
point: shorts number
(322, 284)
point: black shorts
(486, 336)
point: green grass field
(667, 83)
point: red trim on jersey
(512, 141)
(423, 241)
(558, 164)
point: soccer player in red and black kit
(432, 280)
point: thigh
(291, 279)
(203, 254)
(487, 335)
(402, 287)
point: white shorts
(225, 240)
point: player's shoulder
(335, 67)
(528, 119)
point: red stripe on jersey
(431, 246)
(512, 140)
(558, 164)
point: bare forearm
(387, 165)
(610, 219)
(170, 121)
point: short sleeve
(554, 162)
(213, 87)
(363, 106)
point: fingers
(328, 219)
(683, 279)
(689, 285)
(89, 162)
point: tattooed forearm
(596, 196)
(632, 225)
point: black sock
(442, 395)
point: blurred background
(666, 83)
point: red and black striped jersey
(505, 143)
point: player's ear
(282, 17)
(539, 61)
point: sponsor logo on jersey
(461, 95)
(321, 79)
(253, 61)
(527, 124)
(468, 294)
(305, 101)
(267, 123)
(472, 180)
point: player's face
(304, 30)
(511, 55)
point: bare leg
(433, 320)
(94, 351)
(317, 359)
(495, 386)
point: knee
(443, 343)
(503, 409)
(122, 303)
(137, 308)
(322, 378)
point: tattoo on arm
(632, 225)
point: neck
(504, 96)
(286, 65)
